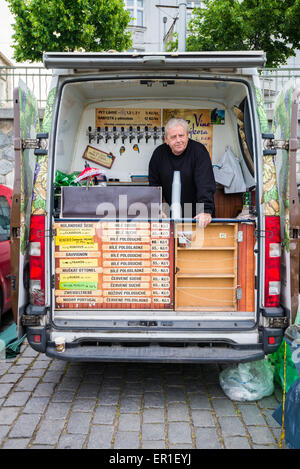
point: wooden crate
(212, 265)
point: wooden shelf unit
(206, 268)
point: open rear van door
(286, 143)
(26, 126)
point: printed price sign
(113, 265)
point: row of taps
(131, 133)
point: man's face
(177, 138)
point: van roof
(112, 60)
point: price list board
(114, 265)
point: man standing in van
(180, 153)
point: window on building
(136, 10)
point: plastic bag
(291, 416)
(276, 359)
(63, 179)
(248, 381)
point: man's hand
(203, 219)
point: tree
(268, 25)
(68, 25)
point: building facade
(154, 21)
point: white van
(115, 282)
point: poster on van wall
(199, 122)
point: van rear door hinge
(271, 145)
(38, 143)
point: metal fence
(38, 80)
(273, 81)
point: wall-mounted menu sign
(113, 265)
(122, 117)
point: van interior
(114, 125)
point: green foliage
(268, 25)
(68, 25)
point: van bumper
(155, 353)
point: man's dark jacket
(197, 178)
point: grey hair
(174, 122)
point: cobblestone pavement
(48, 403)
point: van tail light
(37, 260)
(272, 261)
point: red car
(5, 206)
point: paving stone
(100, 437)
(4, 429)
(269, 402)
(36, 405)
(153, 431)
(207, 438)
(231, 426)
(127, 440)
(63, 396)
(182, 446)
(58, 410)
(111, 383)
(223, 407)
(49, 432)
(251, 414)
(153, 399)
(261, 435)
(10, 378)
(153, 416)
(5, 388)
(109, 397)
(44, 389)
(153, 444)
(199, 401)
(236, 442)
(153, 386)
(17, 399)
(89, 390)
(179, 433)
(215, 390)
(8, 415)
(129, 422)
(105, 414)
(27, 384)
(79, 422)
(175, 394)
(202, 418)
(130, 404)
(71, 442)
(84, 405)
(51, 377)
(24, 426)
(178, 412)
(132, 389)
(16, 443)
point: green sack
(10, 338)
(277, 361)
